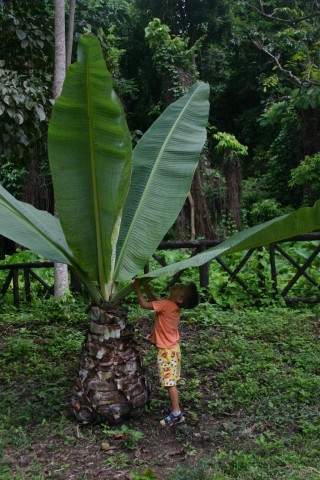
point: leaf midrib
(94, 182)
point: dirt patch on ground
(87, 453)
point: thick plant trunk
(111, 385)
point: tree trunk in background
(203, 222)
(60, 47)
(192, 217)
(306, 142)
(231, 170)
(37, 187)
(202, 219)
(61, 270)
(72, 9)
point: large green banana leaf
(90, 159)
(39, 231)
(34, 229)
(164, 162)
(303, 220)
(306, 219)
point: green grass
(39, 353)
(262, 371)
(251, 385)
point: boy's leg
(169, 373)
(174, 415)
(174, 399)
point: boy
(165, 335)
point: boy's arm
(142, 301)
(150, 295)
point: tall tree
(61, 279)
(72, 9)
(288, 37)
(230, 151)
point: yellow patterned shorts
(169, 365)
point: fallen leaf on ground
(105, 446)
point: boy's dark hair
(190, 295)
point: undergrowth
(250, 387)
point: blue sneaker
(172, 419)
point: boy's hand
(142, 301)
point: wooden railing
(28, 272)
(197, 246)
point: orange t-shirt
(165, 331)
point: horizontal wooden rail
(212, 243)
(19, 266)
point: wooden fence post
(204, 272)
(16, 296)
(273, 269)
(27, 287)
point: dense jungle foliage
(261, 61)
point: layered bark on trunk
(111, 385)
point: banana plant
(114, 207)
